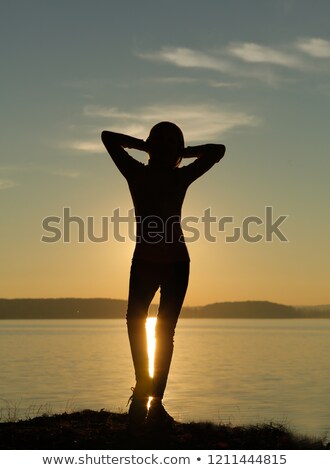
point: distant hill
(80, 308)
(249, 309)
(254, 309)
(61, 308)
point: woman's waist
(161, 251)
(157, 231)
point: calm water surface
(238, 371)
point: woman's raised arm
(114, 139)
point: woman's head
(165, 144)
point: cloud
(185, 57)
(6, 184)
(316, 47)
(218, 62)
(193, 81)
(173, 80)
(255, 53)
(104, 112)
(86, 146)
(248, 60)
(199, 122)
(215, 84)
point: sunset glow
(222, 77)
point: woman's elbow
(221, 152)
(104, 135)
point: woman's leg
(142, 288)
(174, 283)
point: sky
(253, 75)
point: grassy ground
(105, 430)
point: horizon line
(188, 306)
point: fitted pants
(145, 279)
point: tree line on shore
(93, 308)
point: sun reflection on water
(150, 327)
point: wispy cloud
(198, 122)
(219, 61)
(258, 54)
(248, 59)
(193, 81)
(216, 84)
(85, 146)
(185, 57)
(6, 184)
(316, 47)
(173, 80)
(104, 112)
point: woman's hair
(166, 143)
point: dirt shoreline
(102, 429)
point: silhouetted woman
(161, 258)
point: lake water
(237, 371)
